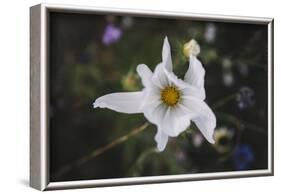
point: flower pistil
(170, 95)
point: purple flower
(243, 157)
(245, 98)
(111, 35)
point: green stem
(224, 101)
(239, 123)
(65, 169)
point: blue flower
(243, 157)
(245, 98)
(111, 35)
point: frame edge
(36, 176)
(39, 178)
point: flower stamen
(170, 95)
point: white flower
(167, 101)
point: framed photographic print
(124, 97)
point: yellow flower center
(170, 95)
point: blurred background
(93, 55)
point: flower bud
(191, 48)
(130, 81)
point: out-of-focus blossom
(180, 156)
(226, 64)
(245, 98)
(243, 157)
(210, 33)
(130, 81)
(244, 69)
(167, 101)
(127, 22)
(111, 34)
(197, 139)
(228, 78)
(191, 48)
(223, 137)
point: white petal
(175, 121)
(195, 73)
(173, 79)
(183, 123)
(203, 117)
(167, 123)
(161, 140)
(159, 77)
(124, 102)
(154, 112)
(151, 97)
(171, 120)
(145, 74)
(191, 91)
(166, 55)
(186, 88)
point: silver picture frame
(39, 136)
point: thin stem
(65, 169)
(223, 101)
(239, 123)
